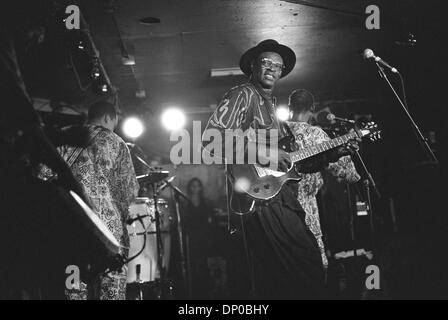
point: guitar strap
(287, 129)
(77, 151)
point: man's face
(267, 69)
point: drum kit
(149, 226)
(149, 229)
(145, 267)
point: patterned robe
(106, 173)
(344, 171)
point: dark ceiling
(174, 57)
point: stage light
(173, 119)
(283, 113)
(80, 45)
(242, 185)
(133, 127)
(96, 73)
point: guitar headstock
(371, 130)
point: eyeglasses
(268, 63)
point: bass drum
(144, 268)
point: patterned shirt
(344, 171)
(245, 107)
(106, 173)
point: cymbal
(153, 177)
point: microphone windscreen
(368, 53)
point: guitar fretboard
(321, 147)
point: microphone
(139, 217)
(368, 54)
(332, 117)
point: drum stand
(186, 270)
(159, 242)
(139, 283)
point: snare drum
(146, 262)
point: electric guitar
(262, 183)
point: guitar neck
(311, 151)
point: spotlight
(283, 113)
(133, 127)
(242, 185)
(173, 119)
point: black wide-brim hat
(270, 45)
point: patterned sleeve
(318, 134)
(126, 173)
(231, 113)
(125, 182)
(344, 169)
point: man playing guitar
(286, 258)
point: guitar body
(246, 179)
(261, 183)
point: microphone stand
(185, 265)
(422, 140)
(367, 183)
(140, 159)
(158, 236)
(369, 180)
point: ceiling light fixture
(224, 72)
(149, 20)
